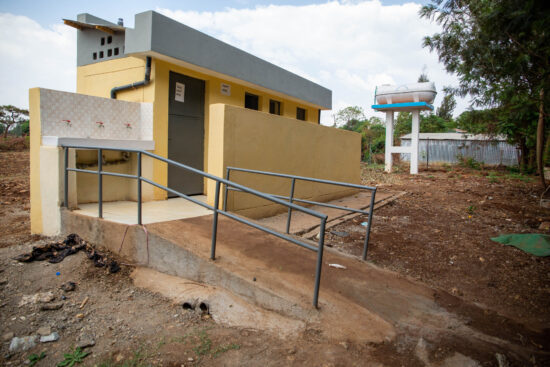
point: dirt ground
(438, 233)
(14, 198)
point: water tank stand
(390, 109)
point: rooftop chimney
(120, 22)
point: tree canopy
(349, 117)
(11, 116)
(500, 51)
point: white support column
(414, 141)
(389, 141)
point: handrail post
(225, 190)
(367, 237)
(100, 182)
(215, 222)
(289, 208)
(319, 262)
(66, 179)
(139, 187)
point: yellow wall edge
(35, 142)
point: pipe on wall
(141, 83)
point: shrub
(14, 143)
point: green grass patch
(34, 358)
(224, 348)
(75, 357)
(519, 176)
(204, 345)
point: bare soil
(439, 233)
(14, 198)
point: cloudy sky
(349, 47)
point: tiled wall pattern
(74, 115)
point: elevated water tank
(414, 92)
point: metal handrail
(291, 199)
(219, 181)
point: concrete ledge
(57, 141)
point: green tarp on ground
(533, 243)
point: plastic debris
(337, 266)
(365, 224)
(53, 337)
(532, 243)
(55, 252)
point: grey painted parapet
(92, 19)
(89, 42)
(155, 32)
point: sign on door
(180, 92)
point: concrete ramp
(361, 303)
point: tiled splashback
(76, 115)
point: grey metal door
(186, 132)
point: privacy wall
(65, 114)
(249, 139)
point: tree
(349, 117)
(429, 123)
(500, 51)
(25, 128)
(373, 139)
(445, 110)
(11, 116)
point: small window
(300, 113)
(102, 41)
(100, 54)
(109, 52)
(116, 51)
(251, 101)
(274, 107)
(110, 39)
(94, 55)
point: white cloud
(348, 47)
(34, 56)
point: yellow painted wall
(46, 175)
(98, 79)
(35, 142)
(256, 140)
(213, 95)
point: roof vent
(120, 22)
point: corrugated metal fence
(448, 151)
